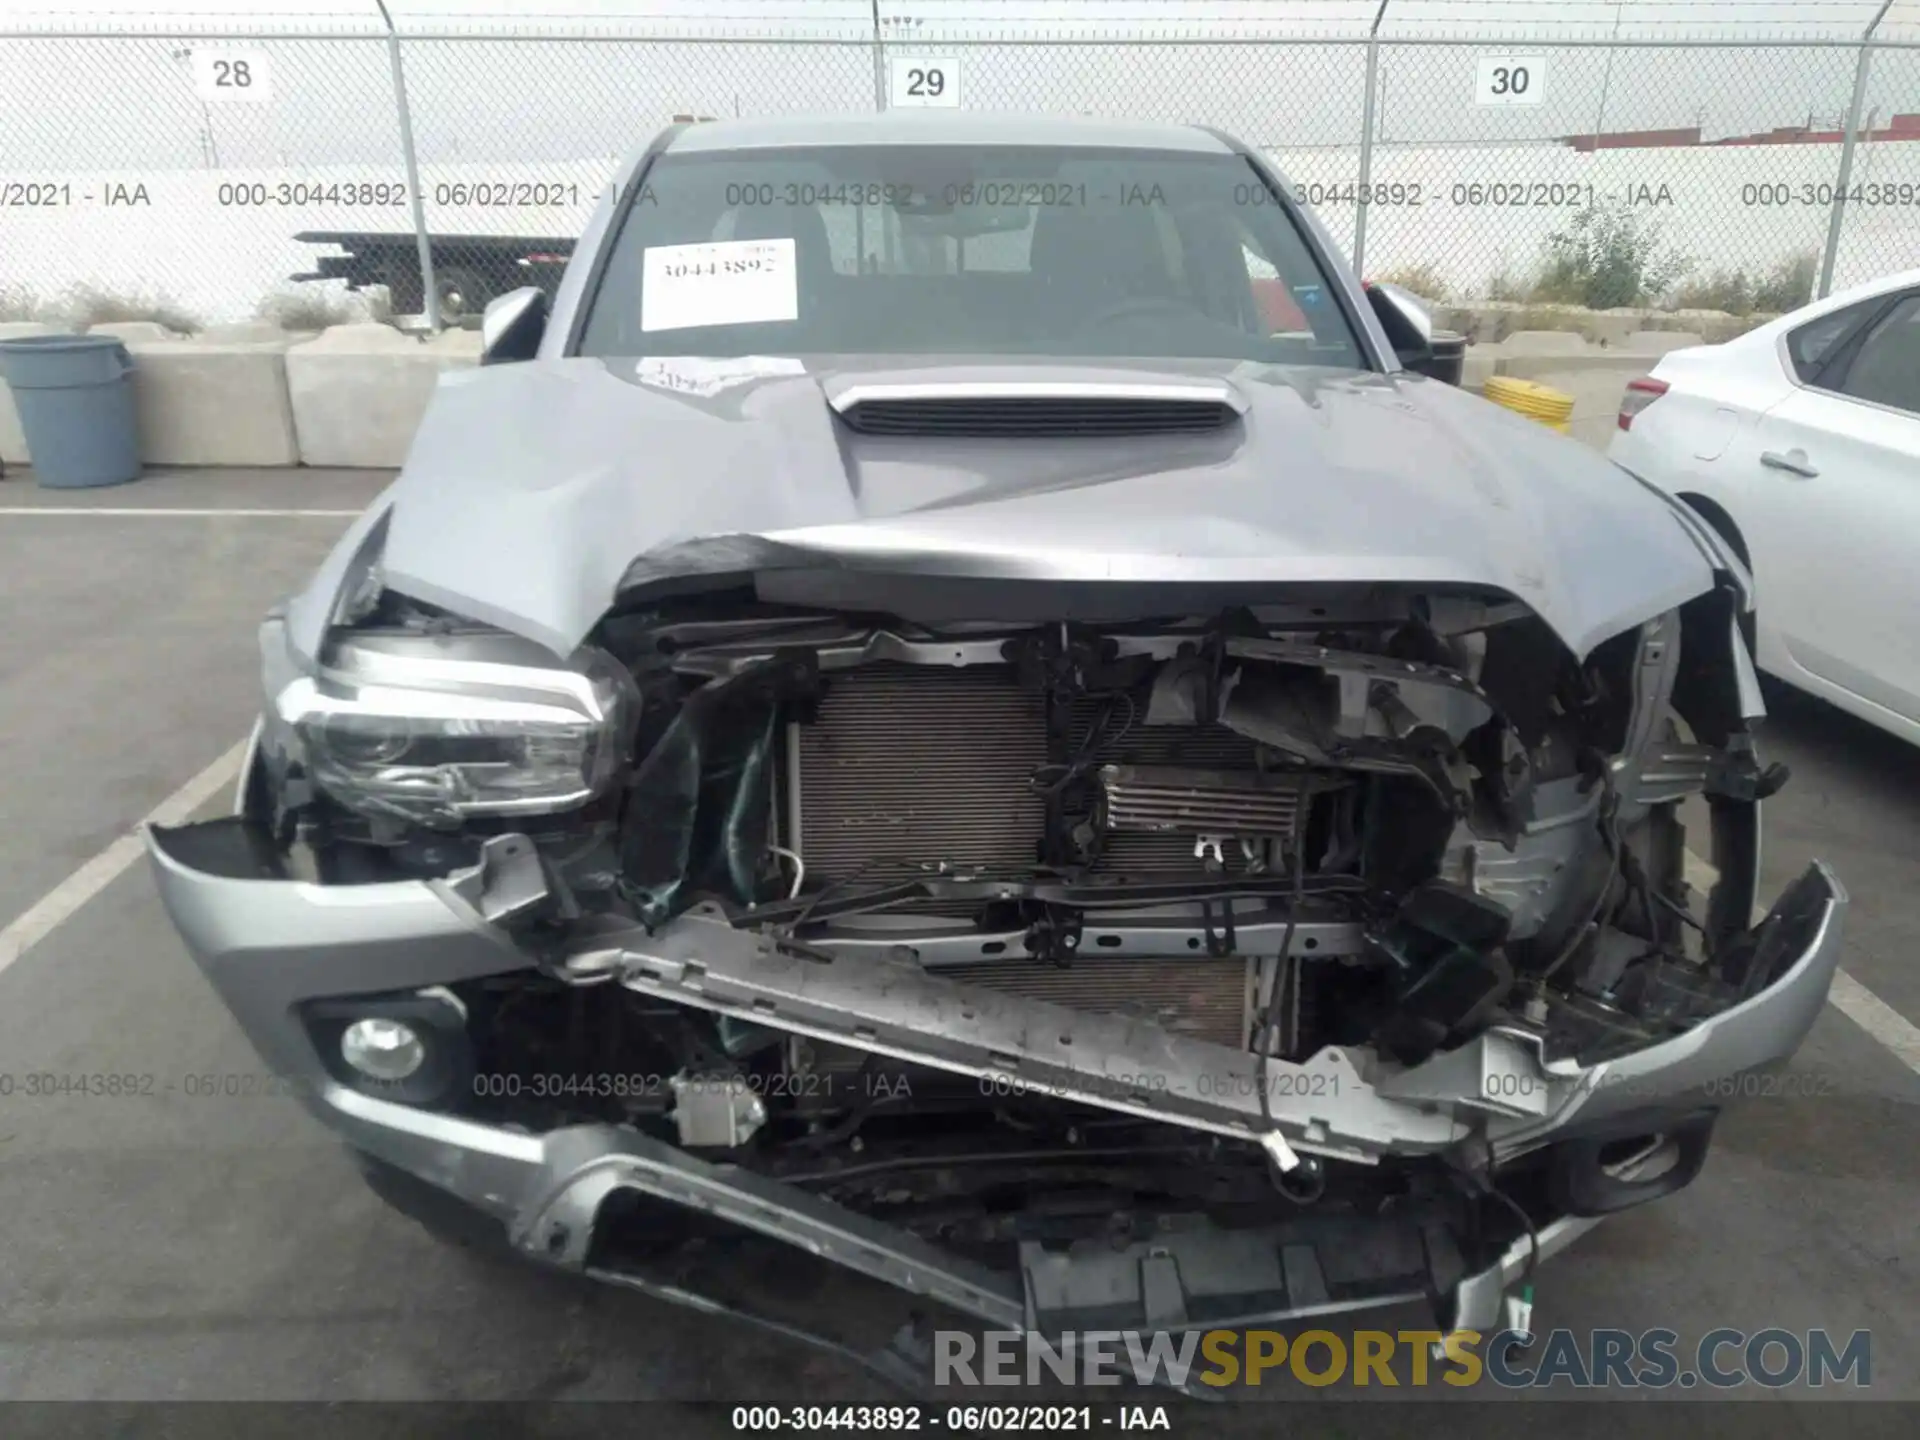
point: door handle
(1794, 462)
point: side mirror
(1405, 318)
(511, 327)
(1408, 322)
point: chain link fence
(524, 178)
(1881, 227)
(1586, 218)
(217, 174)
(158, 199)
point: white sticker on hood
(700, 375)
(724, 282)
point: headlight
(434, 729)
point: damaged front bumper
(272, 946)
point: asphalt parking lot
(174, 1246)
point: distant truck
(468, 270)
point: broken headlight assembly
(436, 729)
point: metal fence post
(879, 63)
(430, 297)
(1366, 141)
(1606, 78)
(1839, 214)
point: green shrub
(1787, 286)
(311, 308)
(1503, 284)
(18, 303)
(1728, 290)
(88, 305)
(1608, 256)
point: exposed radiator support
(1201, 997)
(928, 766)
(904, 767)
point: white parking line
(1877, 1018)
(172, 512)
(46, 914)
(1848, 995)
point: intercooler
(910, 766)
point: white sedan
(1800, 443)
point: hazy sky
(521, 89)
(1403, 17)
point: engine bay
(1386, 823)
(1091, 931)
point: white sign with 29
(1510, 80)
(231, 76)
(924, 80)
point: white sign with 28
(232, 76)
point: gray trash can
(75, 398)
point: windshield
(898, 250)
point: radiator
(917, 764)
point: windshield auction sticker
(699, 375)
(727, 282)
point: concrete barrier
(1476, 366)
(462, 344)
(1595, 376)
(1544, 342)
(1487, 322)
(13, 444)
(1597, 381)
(358, 391)
(353, 395)
(253, 394)
(254, 330)
(135, 330)
(212, 402)
(1654, 343)
(1709, 327)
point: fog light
(382, 1049)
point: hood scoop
(1038, 409)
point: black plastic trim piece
(1579, 1186)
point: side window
(1886, 369)
(1814, 343)
(1173, 250)
(1273, 301)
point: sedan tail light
(1640, 394)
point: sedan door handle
(1794, 462)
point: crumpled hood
(535, 492)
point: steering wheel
(1136, 306)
